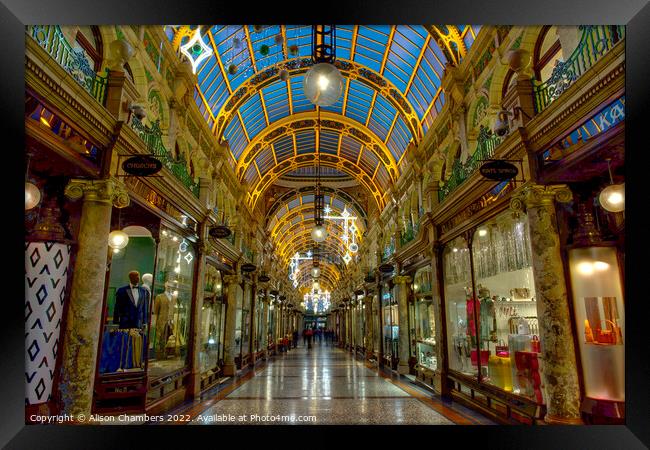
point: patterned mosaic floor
(323, 386)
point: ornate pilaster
(403, 284)
(558, 352)
(231, 283)
(81, 338)
(203, 248)
(367, 339)
(264, 339)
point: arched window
(546, 53)
(90, 41)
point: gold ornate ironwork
(349, 69)
(308, 120)
(309, 160)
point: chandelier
(317, 301)
(349, 236)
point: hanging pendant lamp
(612, 198)
(323, 83)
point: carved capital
(402, 279)
(535, 195)
(111, 191)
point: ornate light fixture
(118, 239)
(323, 83)
(196, 50)
(319, 233)
(612, 198)
(32, 192)
(349, 231)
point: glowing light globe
(118, 239)
(319, 233)
(612, 198)
(323, 84)
(315, 272)
(32, 195)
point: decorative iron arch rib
(300, 234)
(308, 160)
(308, 120)
(307, 190)
(300, 211)
(449, 39)
(349, 69)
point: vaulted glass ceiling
(392, 91)
(250, 93)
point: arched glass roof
(405, 58)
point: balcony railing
(487, 143)
(596, 40)
(152, 137)
(73, 60)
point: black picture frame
(15, 14)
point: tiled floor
(323, 386)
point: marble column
(231, 349)
(194, 385)
(560, 371)
(403, 283)
(81, 338)
(264, 338)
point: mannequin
(131, 314)
(163, 309)
(131, 304)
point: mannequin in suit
(163, 309)
(131, 304)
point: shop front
(422, 317)
(390, 325)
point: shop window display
(128, 306)
(376, 331)
(360, 325)
(600, 321)
(172, 299)
(212, 320)
(239, 295)
(246, 321)
(391, 323)
(424, 319)
(461, 327)
(507, 324)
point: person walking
(310, 334)
(304, 337)
(319, 333)
(295, 338)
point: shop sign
(248, 267)
(499, 170)
(142, 165)
(263, 278)
(386, 268)
(600, 122)
(219, 232)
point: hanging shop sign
(248, 267)
(498, 170)
(142, 165)
(358, 292)
(264, 278)
(219, 232)
(369, 278)
(275, 293)
(386, 268)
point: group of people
(310, 335)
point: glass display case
(424, 325)
(600, 321)
(172, 300)
(493, 330)
(212, 320)
(125, 337)
(390, 318)
(507, 311)
(461, 326)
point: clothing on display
(122, 350)
(131, 307)
(163, 306)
